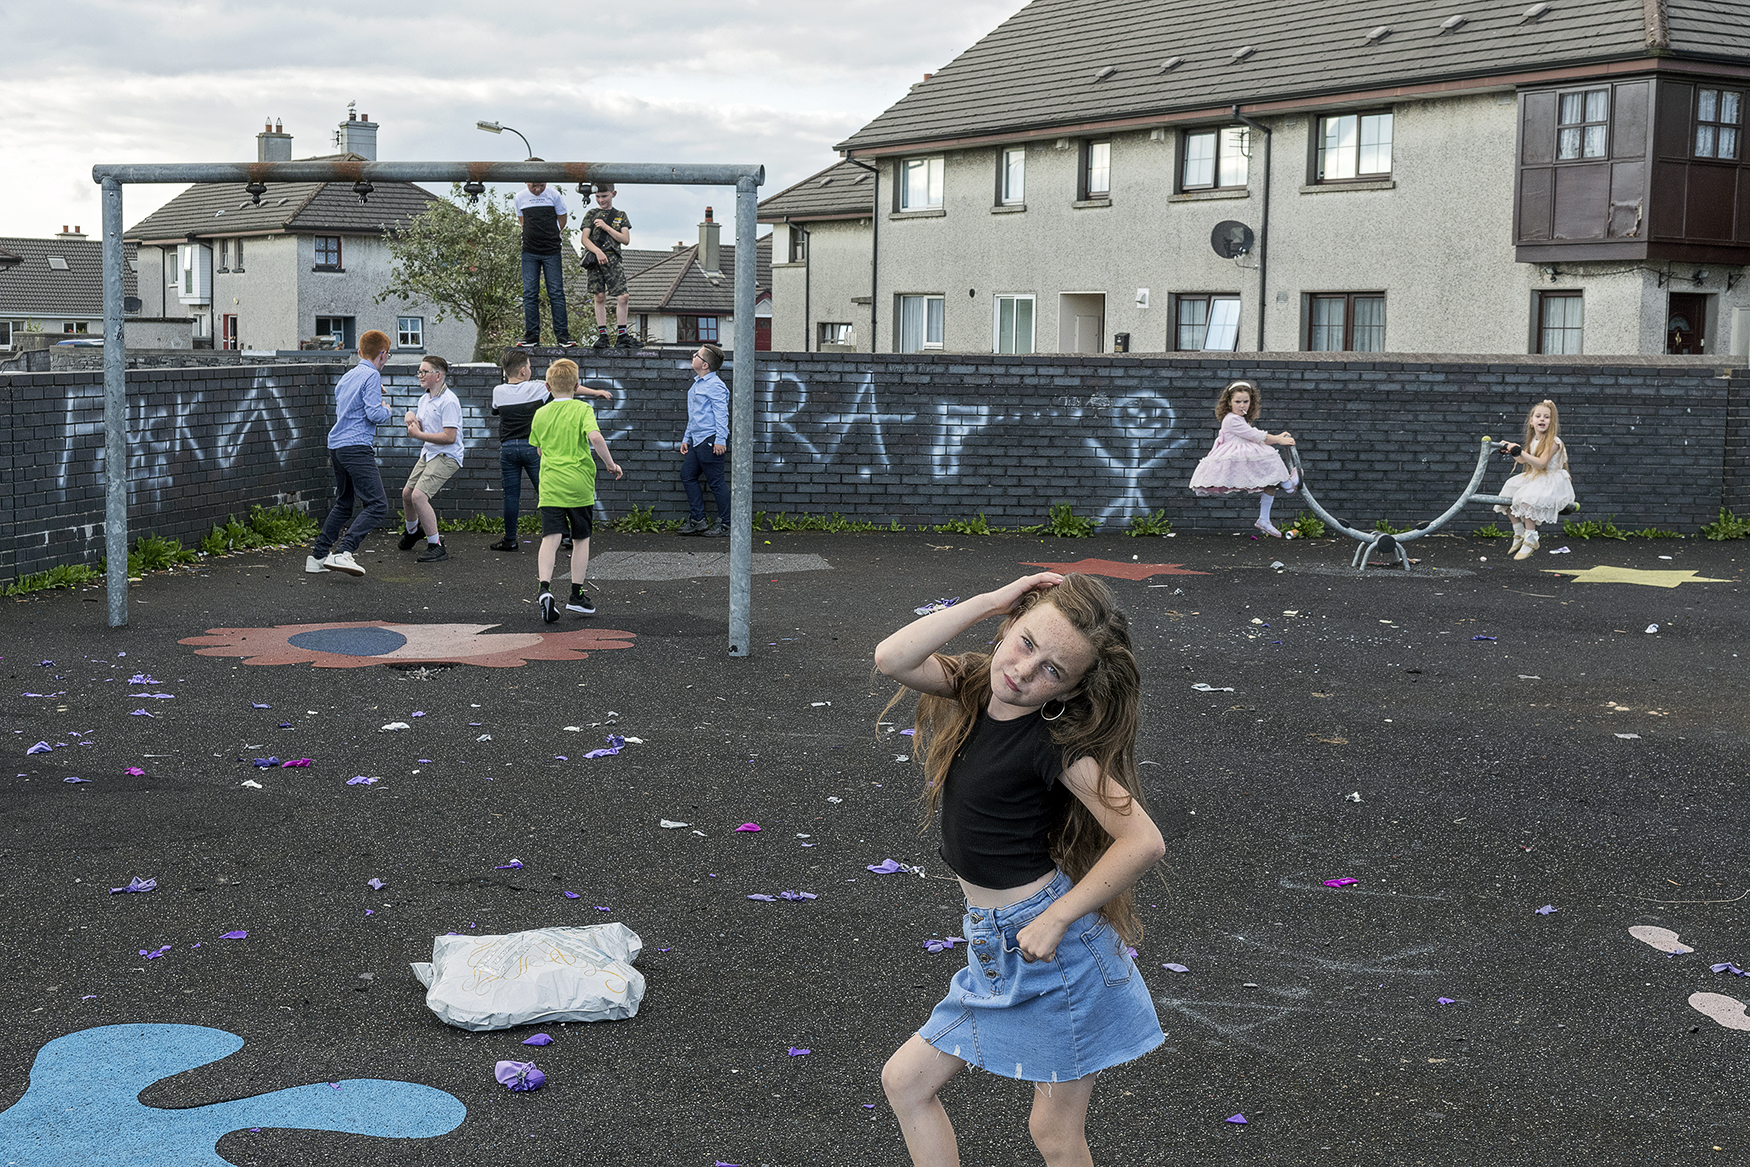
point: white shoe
(313, 566)
(343, 561)
(1530, 546)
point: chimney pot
(352, 116)
(927, 76)
(707, 214)
(63, 228)
(78, 230)
(267, 126)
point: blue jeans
(356, 478)
(534, 267)
(515, 457)
(700, 460)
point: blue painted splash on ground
(349, 641)
(83, 1106)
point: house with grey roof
(55, 286)
(298, 266)
(1559, 176)
(687, 296)
(823, 236)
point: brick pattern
(914, 438)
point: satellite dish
(1230, 239)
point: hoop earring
(1053, 716)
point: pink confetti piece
(1345, 881)
(749, 827)
(295, 763)
(239, 934)
(134, 772)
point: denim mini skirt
(1083, 1011)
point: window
(236, 255)
(1096, 170)
(798, 245)
(1583, 127)
(834, 333)
(328, 252)
(5, 334)
(1214, 159)
(1346, 322)
(1560, 320)
(1012, 176)
(1209, 322)
(1354, 146)
(339, 328)
(920, 323)
(79, 329)
(172, 266)
(920, 184)
(189, 252)
(1014, 324)
(224, 255)
(1717, 115)
(410, 331)
(228, 332)
(58, 263)
(696, 329)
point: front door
(1685, 325)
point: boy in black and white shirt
(541, 213)
(514, 403)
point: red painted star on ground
(1117, 569)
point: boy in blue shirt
(704, 442)
(359, 409)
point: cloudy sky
(768, 81)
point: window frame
(5, 334)
(237, 254)
(1008, 195)
(338, 263)
(1584, 124)
(935, 168)
(1086, 191)
(1220, 135)
(927, 298)
(690, 329)
(1715, 126)
(402, 332)
(224, 263)
(1349, 299)
(1208, 300)
(342, 342)
(821, 336)
(1321, 151)
(798, 246)
(996, 322)
(1539, 322)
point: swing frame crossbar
(1386, 543)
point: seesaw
(1379, 542)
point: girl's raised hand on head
(1040, 581)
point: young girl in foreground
(1241, 461)
(1541, 490)
(1029, 752)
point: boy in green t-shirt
(565, 431)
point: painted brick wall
(1654, 441)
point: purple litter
(361, 780)
(1547, 909)
(560, 758)
(39, 748)
(141, 679)
(76, 780)
(908, 733)
(1344, 881)
(135, 884)
(370, 912)
(538, 1039)
(520, 1075)
(600, 908)
(419, 713)
(799, 1053)
(141, 713)
(45, 664)
(513, 865)
(154, 955)
(571, 895)
(1178, 968)
(267, 763)
(424, 761)
(768, 899)
(1729, 967)
(944, 945)
(1237, 1119)
(239, 934)
(170, 696)
(753, 828)
(89, 997)
(601, 753)
(134, 772)
(1444, 1001)
(285, 725)
(798, 895)
(1482, 638)
(375, 884)
(886, 867)
(259, 705)
(295, 762)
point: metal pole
(701, 174)
(115, 409)
(743, 392)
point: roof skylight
(58, 263)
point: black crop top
(1001, 801)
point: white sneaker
(313, 566)
(343, 561)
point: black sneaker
(580, 604)
(565, 543)
(505, 544)
(409, 538)
(720, 531)
(568, 343)
(549, 608)
(525, 344)
(436, 553)
(694, 527)
(626, 341)
(602, 341)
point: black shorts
(574, 521)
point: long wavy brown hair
(1225, 405)
(1531, 444)
(1099, 721)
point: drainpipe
(874, 245)
(1264, 223)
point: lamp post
(495, 128)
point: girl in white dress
(1542, 490)
(1241, 461)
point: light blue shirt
(707, 410)
(358, 407)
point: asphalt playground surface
(1470, 743)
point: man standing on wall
(541, 213)
(606, 230)
(359, 409)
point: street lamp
(495, 128)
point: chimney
(709, 232)
(358, 135)
(273, 144)
(75, 233)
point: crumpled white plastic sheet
(525, 978)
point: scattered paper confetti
(1729, 967)
(1445, 1001)
(797, 895)
(39, 748)
(946, 944)
(396, 725)
(887, 867)
(571, 895)
(136, 679)
(361, 780)
(1202, 687)
(520, 1075)
(670, 824)
(154, 955)
(251, 782)
(239, 934)
(1237, 1119)
(768, 899)
(1178, 968)
(295, 763)
(259, 705)
(1482, 638)
(752, 828)
(513, 865)
(134, 772)
(1354, 796)
(1548, 910)
(1343, 881)
(375, 884)
(135, 884)
(419, 713)
(799, 1053)
(267, 763)
(935, 606)
(1628, 736)
(485, 737)
(538, 1039)
(74, 780)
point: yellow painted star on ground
(1633, 575)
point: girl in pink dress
(1241, 461)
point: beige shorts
(430, 474)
